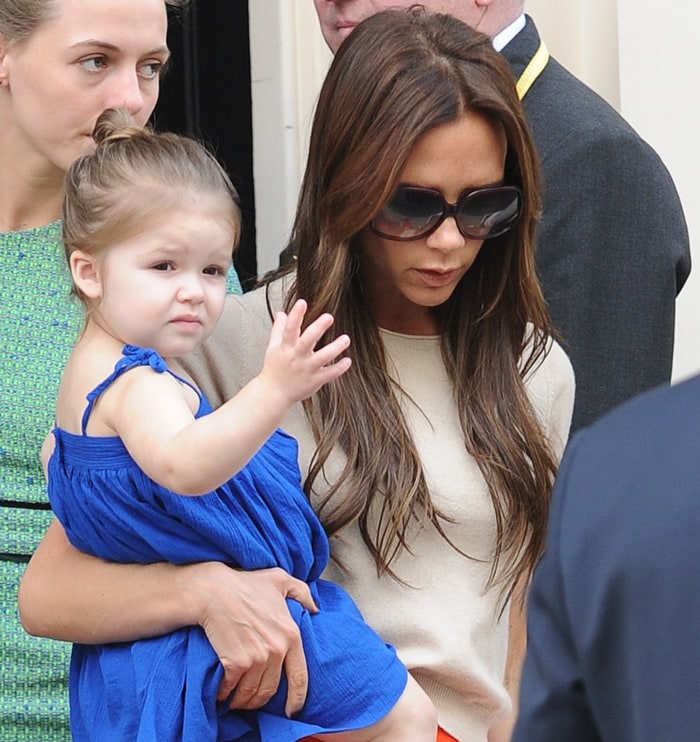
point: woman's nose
(127, 92)
(447, 236)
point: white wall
(582, 35)
(288, 63)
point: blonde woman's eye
(94, 64)
(151, 70)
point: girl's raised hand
(293, 364)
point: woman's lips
(437, 278)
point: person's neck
(24, 206)
(31, 189)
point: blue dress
(165, 688)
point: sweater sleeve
(551, 387)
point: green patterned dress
(39, 322)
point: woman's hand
(247, 621)
(68, 595)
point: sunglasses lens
(410, 212)
(489, 212)
(415, 212)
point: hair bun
(115, 125)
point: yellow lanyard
(533, 70)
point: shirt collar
(509, 33)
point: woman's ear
(86, 274)
(3, 50)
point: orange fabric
(442, 736)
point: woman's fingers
(252, 632)
(261, 682)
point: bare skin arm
(517, 644)
(195, 455)
(68, 595)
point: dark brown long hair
(399, 75)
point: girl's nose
(191, 289)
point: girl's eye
(163, 267)
(94, 64)
(151, 70)
(214, 270)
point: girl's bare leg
(413, 718)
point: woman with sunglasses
(430, 462)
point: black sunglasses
(480, 213)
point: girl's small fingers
(295, 318)
(278, 328)
(315, 331)
(334, 370)
(299, 308)
(329, 353)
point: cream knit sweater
(444, 624)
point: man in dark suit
(613, 247)
(614, 609)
